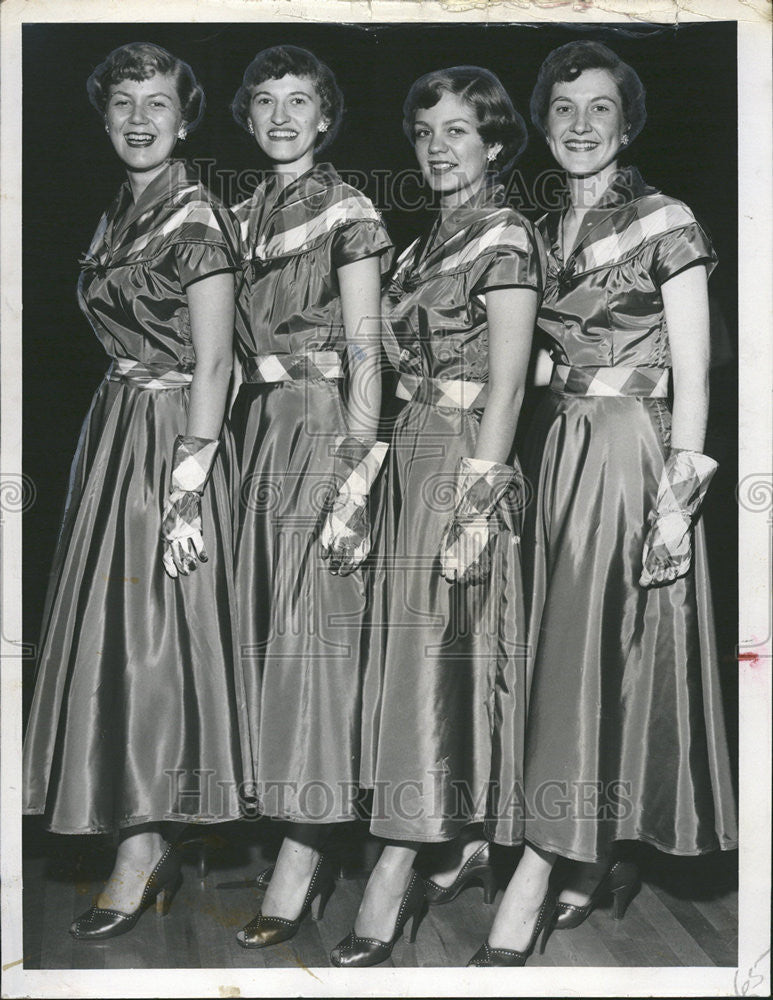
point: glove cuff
(358, 463)
(192, 463)
(684, 482)
(480, 485)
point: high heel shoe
(486, 956)
(97, 923)
(263, 931)
(621, 880)
(357, 952)
(477, 868)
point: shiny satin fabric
(300, 626)
(302, 641)
(138, 713)
(626, 735)
(445, 683)
(445, 701)
(139, 708)
(434, 308)
(291, 303)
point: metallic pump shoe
(477, 868)
(486, 956)
(263, 931)
(622, 881)
(357, 952)
(98, 924)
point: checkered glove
(183, 543)
(464, 545)
(345, 536)
(667, 547)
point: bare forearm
(691, 407)
(497, 426)
(209, 392)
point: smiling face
(286, 116)
(143, 119)
(450, 151)
(585, 122)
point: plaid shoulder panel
(302, 224)
(461, 251)
(626, 231)
(242, 212)
(194, 221)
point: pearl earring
(250, 127)
(107, 127)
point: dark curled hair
(290, 60)
(140, 61)
(565, 64)
(498, 121)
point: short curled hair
(140, 61)
(567, 62)
(290, 60)
(498, 121)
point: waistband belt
(458, 394)
(618, 380)
(148, 376)
(289, 367)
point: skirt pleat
(626, 736)
(445, 722)
(139, 709)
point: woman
(626, 737)
(308, 314)
(137, 708)
(461, 307)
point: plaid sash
(148, 376)
(178, 211)
(291, 367)
(457, 394)
(304, 214)
(651, 383)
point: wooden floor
(685, 915)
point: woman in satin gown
(459, 312)
(625, 731)
(137, 715)
(308, 330)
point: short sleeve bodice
(434, 309)
(143, 257)
(603, 306)
(292, 243)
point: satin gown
(302, 640)
(626, 735)
(138, 713)
(446, 687)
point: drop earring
(182, 134)
(625, 139)
(493, 153)
(250, 127)
(323, 126)
(107, 127)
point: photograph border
(755, 497)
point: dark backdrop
(688, 149)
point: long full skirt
(139, 709)
(446, 684)
(626, 737)
(301, 627)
